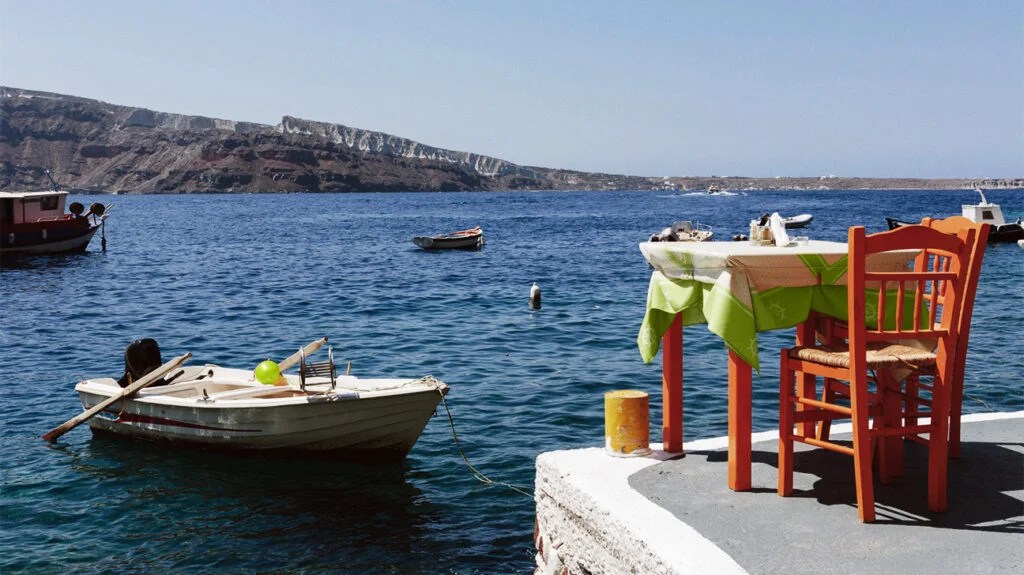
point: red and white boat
(36, 223)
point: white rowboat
(471, 239)
(223, 408)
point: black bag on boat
(140, 357)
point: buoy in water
(535, 296)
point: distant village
(1004, 183)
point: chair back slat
(901, 294)
(880, 304)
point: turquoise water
(236, 278)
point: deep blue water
(237, 278)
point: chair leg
(891, 456)
(862, 450)
(913, 390)
(828, 395)
(938, 446)
(805, 388)
(955, 404)
(785, 463)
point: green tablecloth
(738, 289)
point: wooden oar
(144, 381)
(294, 358)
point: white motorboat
(684, 231)
(983, 213)
(989, 213)
(315, 411)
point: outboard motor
(140, 357)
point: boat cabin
(29, 207)
(983, 213)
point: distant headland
(93, 146)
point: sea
(237, 278)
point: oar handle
(144, 381)
(294, 358)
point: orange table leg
(672, 387)
(740, 409)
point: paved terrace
(663, 514)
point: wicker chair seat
(880, 355)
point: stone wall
(591, 522)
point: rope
(476, 473)
(431, 381)
(979, 400)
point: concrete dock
(665, 513)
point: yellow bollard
(627, 430)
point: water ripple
(235, 279)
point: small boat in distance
(470, 239)
(684, 231)
(983, 213)
(713, 189)
(315, 412)
(797, 221)
(35, 223)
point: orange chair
(836, 330)
(885, 310)
(953, 225)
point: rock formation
(94, 146)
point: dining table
(738, 289)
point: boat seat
(321, 369)
(249, 392)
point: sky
(894, 88)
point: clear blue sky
(669, 88)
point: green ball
(267, 372)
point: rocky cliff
(96, 146)
(90, 145)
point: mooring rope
(476, 472)
(979, 400)
(431, 381)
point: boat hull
(345, 424)
(34, 239)
(429, 243)
(1006, 233)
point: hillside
(94, 146)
